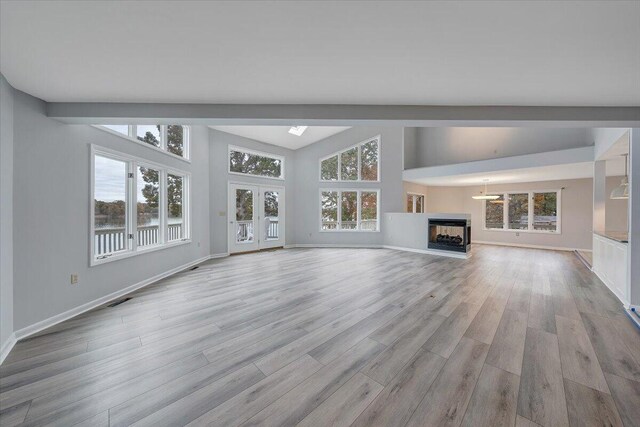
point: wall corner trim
(46, 323)
(7, 347)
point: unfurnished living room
(320, 213)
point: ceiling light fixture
(485, 196)
(297, 130)
(622, 190)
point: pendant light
(622, 190)
(485, 196)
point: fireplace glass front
(449, 234)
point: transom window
(172, 139)
(349, 210)
(529, 211)
(415, 203)
(358, 163)
(136, 206)
(248, 162)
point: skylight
(297, 130)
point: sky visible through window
(110, 176)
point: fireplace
(449, 234)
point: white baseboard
(7, 347)
(220, 255)
(46, 323)
(332, 245)
(524, 245)
(430, 252)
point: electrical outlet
(517, 234)
(198, 244)
(74, 279)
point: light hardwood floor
(364, 337)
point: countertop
(618, 236)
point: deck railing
(113, 239)
(272, 229)
(365, 224)
(244, 230)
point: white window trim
(505, 212)
(163, 138)
(132, 163)
(231, 148)
(424, 198)
(358, 191)
(338, 153)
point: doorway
(256, 217)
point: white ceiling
(434, 53)
(543, 173)
(619, 148)
(279, 135)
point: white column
(634, 217)
(599, 194)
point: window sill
(123, 255)
(144, 144)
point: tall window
(349, 210)
(358, 163)
(175, 217)
(531, 211)
(247, 162)
(172, 139)
(415, 203)
(110, 205)
(136, 206)
(494, 213)
(329, 210)
(148, 202)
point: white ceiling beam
(343, 115)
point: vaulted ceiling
(418, 53)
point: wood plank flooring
(361, 337)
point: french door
(256, 217)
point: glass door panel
(272, 217)
(271, 220)
(242, 218)
(256, 217)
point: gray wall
(52, 205)
(406, 231)
(576, 212)
(445, 146)
(6, 211)
(307, 184)
(410, 148)
(220, 177)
